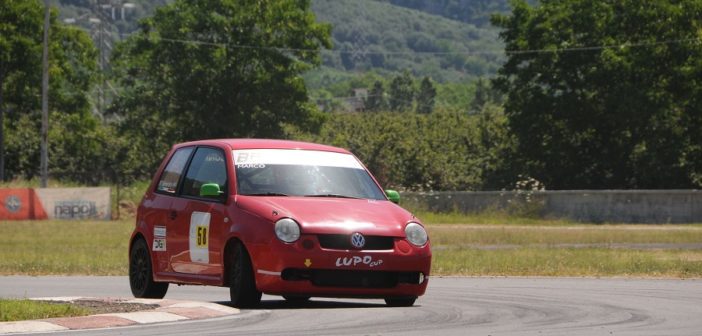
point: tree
(72, 60)
(481, 95)
(376, 98)
(605, 94)
(426, 96)
(402, 92)
(411, 151)
(484, 94)
(226, 68)
(20, 32)
(499, 164)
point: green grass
(590, 262)
(533, 249)
(64, 247)
(575, 250)
(500, 218)
(452, 235)
(19, 310)
(131, 193)
(35, 182)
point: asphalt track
(452, 306)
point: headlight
(416, 234)
(287, 230)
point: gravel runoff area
(106, 306)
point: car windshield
(292, 172)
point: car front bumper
(305, 268)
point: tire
(400, 301)
(296, 299)
(141, 278)
(242, 284)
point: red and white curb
(168, 311)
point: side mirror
(210, 190)
(393, 196)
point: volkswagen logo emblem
(357, 240)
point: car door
(198, 230)
(158, 206)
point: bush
(413, 152)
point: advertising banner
(21, 203)
(55, 203)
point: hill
(115, 18)
(476, 12)
(372, 40)
(381, 36)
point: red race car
(278, 217)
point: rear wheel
(400, 301)
(141, 278)
(242, 284)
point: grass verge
(462, 235)
(64, 247)
(661, 251)
(19, 310)
(499, 218)
(532, 249)
(590, 262)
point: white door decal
(200, 237)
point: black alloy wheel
(140, 274)
(242, 283)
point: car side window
(208, 166)
(171, 175)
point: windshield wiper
(266, 194)
(332, 195)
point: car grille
(351, 279)
(343, 242)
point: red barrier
(20, 204)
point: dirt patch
(126, 209)
(109, 306)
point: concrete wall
(598, 206)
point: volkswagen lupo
(285, 218)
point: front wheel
(141, 280)
(242, 284)
(296, 299)
(400, 301)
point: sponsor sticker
(199, 237)
(160, 231)
(259, 158)
(358, 260)
(159, 244)
(251, 166)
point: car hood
(332, 215)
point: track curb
(167, 311)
